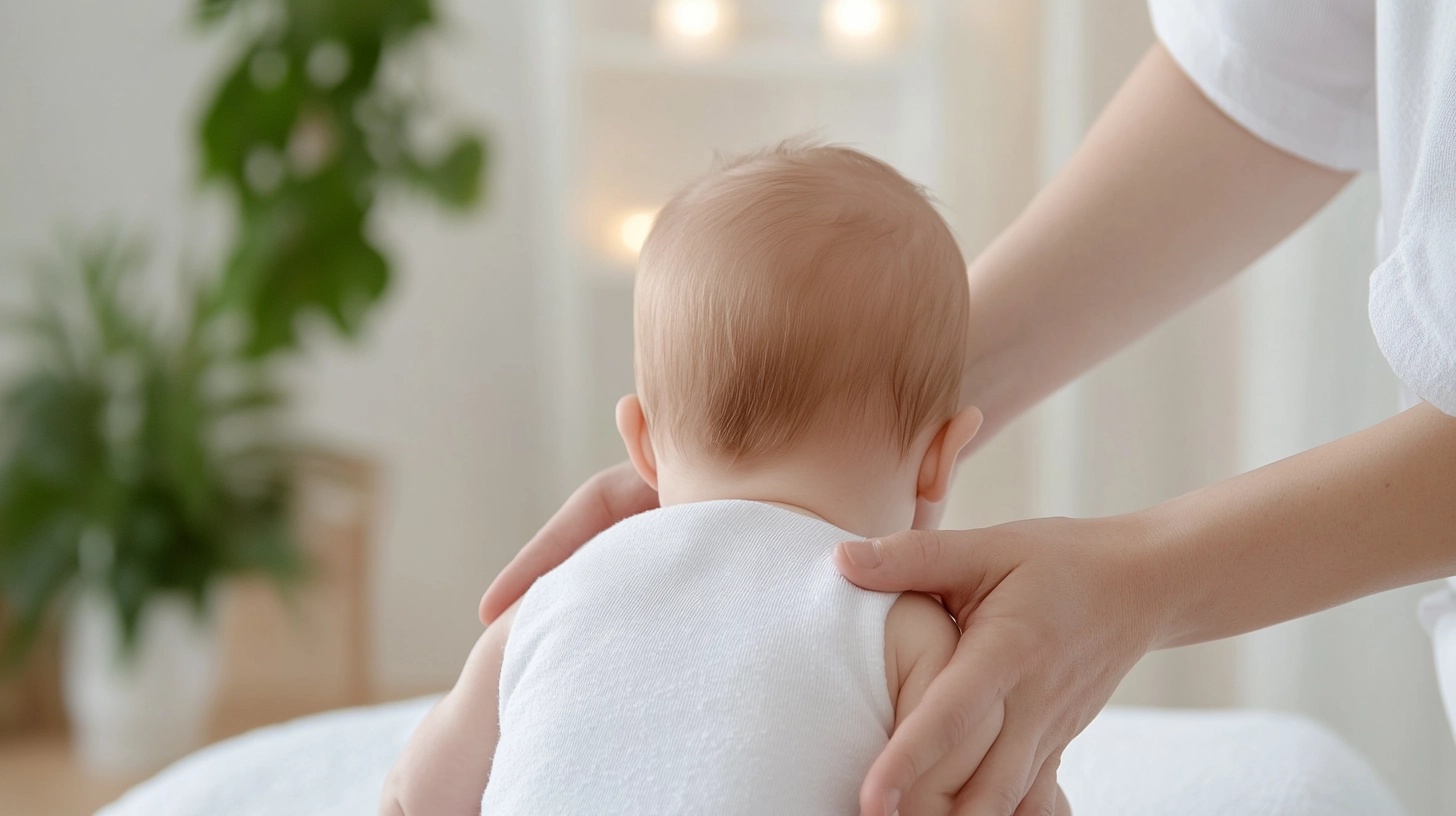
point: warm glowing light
(693, 19)
(855, 19)
(635, 228)
(695, 28)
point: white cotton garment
(1355, 85)
(701, 658)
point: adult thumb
(939, 562)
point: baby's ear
(632, 425)
(939, 463)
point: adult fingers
(1003, 780)
(604, 500)
(945, 723)
(941, 563)
(1045, 797)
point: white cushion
(1159, 762)
(1129, 762)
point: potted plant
(140, 466)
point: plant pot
(133, 713)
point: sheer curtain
(1271, 365)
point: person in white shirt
(1244, 120)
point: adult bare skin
(1166, 198)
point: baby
(800, 324)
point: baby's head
(797, 310)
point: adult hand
(605, 499)
(1054, 612)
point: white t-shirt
(1354, 85)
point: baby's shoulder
(919, 619)
(919, 632)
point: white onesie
(702, 658)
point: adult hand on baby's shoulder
(605, 499)
(1054, 612)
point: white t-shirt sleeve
(1299, 74)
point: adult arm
(1056, 611)
(1165, 199)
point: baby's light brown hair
(795, 290)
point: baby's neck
(868, 502)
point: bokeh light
(634, 229)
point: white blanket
(1129, 762)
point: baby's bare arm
(920, 638)
(445, 767)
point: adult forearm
(1165, 199)
(1370, 512)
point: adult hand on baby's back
(605, 499)
(1053, 613)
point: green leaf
(455, 180)
(58, 422)
(262, 397)
(210, 12)
(353, 19)
(265, 545)
(245, 117)
(33, 575)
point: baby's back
(703, 658)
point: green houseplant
(319, 113)
(140, 463)
(139, 468)
(138, 454)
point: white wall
(444, 392)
